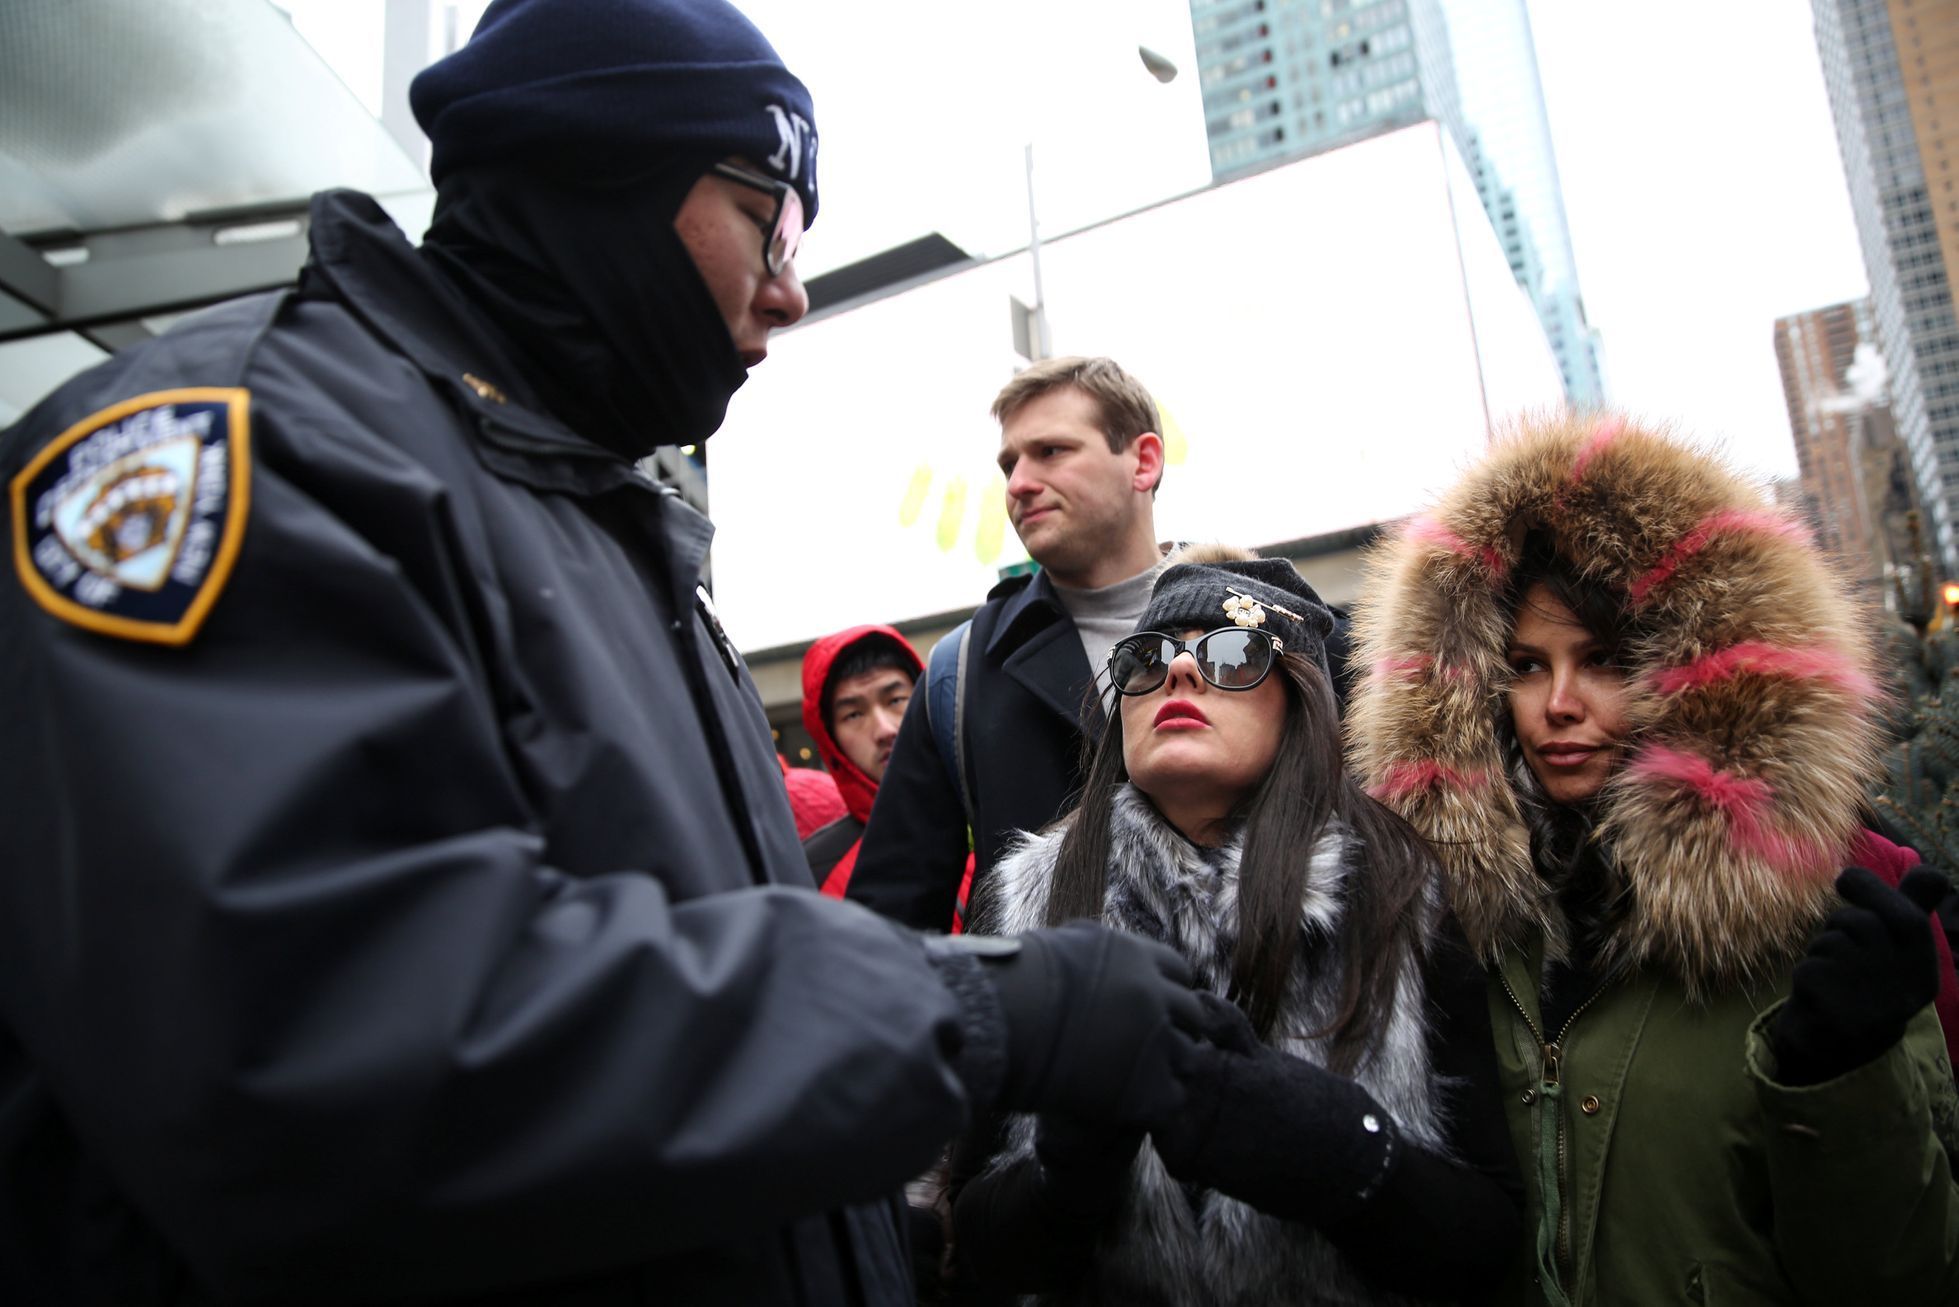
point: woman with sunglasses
(1633, 709)
(1310, 1160)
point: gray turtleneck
(1106, 614)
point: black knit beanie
(1265, 593)
(603, 90)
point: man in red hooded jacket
(856, 684)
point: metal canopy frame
(102, 285)
(157, 156)
(136, 185)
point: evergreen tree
(1920, 797)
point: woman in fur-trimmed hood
(1312, 1159)
(1631, 707)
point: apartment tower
(1892, 68)
(1855, 483)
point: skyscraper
(1887, 64)
(1287, 78)
(1855, 482)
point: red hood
(858, 790)
(813, 797)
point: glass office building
(1283, 79)
(1884, 62)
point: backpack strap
(945, 707)
(826, 847)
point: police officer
(400, 899)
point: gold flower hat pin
(1247, 611)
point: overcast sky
(1700, 170)
(1706, 199)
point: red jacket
(1891, 862)
(813, 797)
(859, 791)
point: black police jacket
(401, 901)
(1029, 704)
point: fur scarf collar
(1751, 709)
(1170, 1246)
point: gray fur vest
(1168, 1245)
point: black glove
(1096, 1024)
(1945, 900)
(1069, 1145)
(1867, 973)
(1292, 1139)
(1183, 1140)
(1086, 1163)
(1079, 1021)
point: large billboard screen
(1327, 341)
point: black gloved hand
(1292, 1139)
(1096, 1024)
(1069, 1145)
(1224, 1024)
(1086, 1163)
(1183, 1139)
(1868, 971)
(1944, 895)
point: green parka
(1663, 1161)
(1690, 1176)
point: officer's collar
(359, 251)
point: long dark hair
(1306, 791)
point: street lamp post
(1039, 341)
(1038, 344)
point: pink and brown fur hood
(1751, 707)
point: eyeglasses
(1231, 658)
(784, 232)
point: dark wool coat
(1165, 1247)
(1028, 692)
(432, 924)
(1663, 1160)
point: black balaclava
(563, 138)
(597, 297)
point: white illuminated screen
(1307, 333)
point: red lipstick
(1180, 710)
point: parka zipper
(1551, 1093)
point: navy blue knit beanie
(603, 90)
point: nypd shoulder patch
(129, 522)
